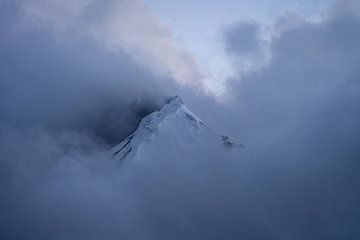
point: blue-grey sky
(197, 26)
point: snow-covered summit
(174, 106)
(174, 127)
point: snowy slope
(171, 132)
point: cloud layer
(299, 112)
(72, 85)
(124, 25)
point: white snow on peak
(174, 127)
(175, 106)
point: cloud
(64, 100)
(246, 46)
(309, 63)
(298, 113)
(125, 25)
(243, 40)
(69, 80)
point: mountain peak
(176, 100)
(173, 124)
(172, 105)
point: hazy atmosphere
(79, 78)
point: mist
(71, 89)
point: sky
(77, 76)
(190, 21)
